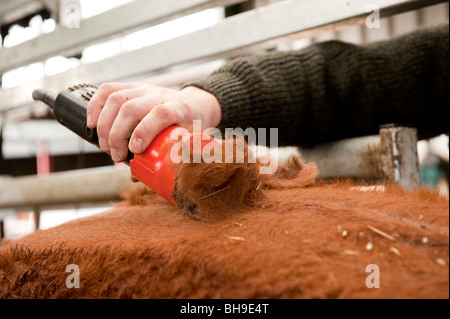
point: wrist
(209, 106)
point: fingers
(128, 117)
(159, 118)
(140, 111)
(97, 102)
(110, 111)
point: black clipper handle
(69, 107)
(70, 111)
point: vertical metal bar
(37, 217)
(399, 159)
(2, 232)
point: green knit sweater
(336, 90)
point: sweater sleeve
(334, 90)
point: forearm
(335, 90)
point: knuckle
(115, 139)
(115, 98)
(183, 108)
(162, 112)
(101, 126)
(107, 87)
(128, 109)
(182, 103)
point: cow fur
(282, 236)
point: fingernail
(115, 156)
(136, 145)
(103, 145)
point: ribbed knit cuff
(231, 94)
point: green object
(430, 175)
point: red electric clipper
(153, 167)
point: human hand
(130, 115)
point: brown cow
(252, 236)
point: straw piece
(379, 232)
(214, 193)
